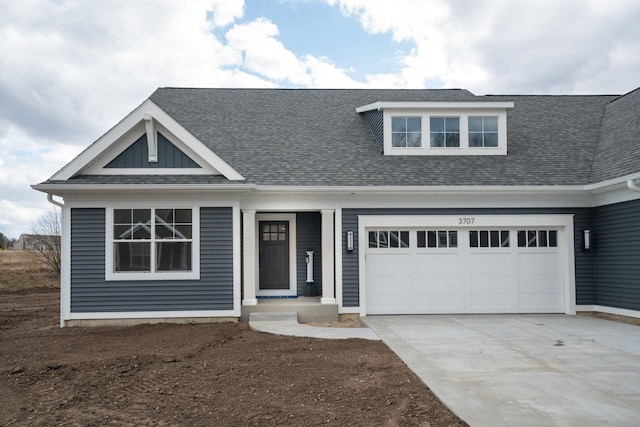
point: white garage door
(501, 270)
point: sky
(71, 69)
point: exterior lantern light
(350, 241)
(586, 239)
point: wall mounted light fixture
(586, 239)
(350, 241)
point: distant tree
(4, 241)
(49, 226)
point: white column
(249, 256)
(328, 259)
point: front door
(274, 255)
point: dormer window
(439, 128)
(444, 131)
(406, 132)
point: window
(389, 239)
(406, 132)
(489, 238)
(444, 131)
(483, 131)
(152, 241)
(537, 238)
(437, 239)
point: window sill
(142, 276)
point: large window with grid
(152, 241)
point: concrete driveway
(523, 370)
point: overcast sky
(71, 69)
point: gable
(148, 142)
(137, 156)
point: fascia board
(84, 159)
(62, 188)
(469, 189)
(477, 105)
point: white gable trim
(147, 109)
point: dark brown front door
(274, 255)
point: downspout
(65, 291)
(631, 185)
(53, 202)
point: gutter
(631, 185)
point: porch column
(328, 258)
(249, 257)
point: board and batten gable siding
(375, 120)
(308, 237)
(616, 240)
(137, 156)
(584, 260)
(90, 293)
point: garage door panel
(491, 284)
(440, 285)
(491, 303)
(440, 303)
(539, 263)
(438, 264)
(541, 303)
(490, 263)
(388, 264)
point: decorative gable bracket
(152, 140)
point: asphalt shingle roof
(308, 137)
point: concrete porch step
(286, 323)
(307, 309)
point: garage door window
(489, 238)
(437, 239)
(389, 239)
(537, 238)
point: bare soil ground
(195, 375)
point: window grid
(389, 239)
(437, 239)
(444, 132)
(489, 238)
(152, 240)
(537, 238)
(406, 132)
(483, 131)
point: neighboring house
(36, 242)
(203, 203)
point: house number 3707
(466, 221)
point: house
(213, 203)
(36, 242)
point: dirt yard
(190, 375)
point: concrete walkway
(287, 324)
(523, 370)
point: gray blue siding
(137, 156)
(308, 237)
(617, 246)
(90, 292)
(584, 261)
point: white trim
(112, 276)
(464, 150)
(131, 121)
(609, 310)
(328, 258)
(337, 242)
(152, 314)
(480, 105)
(291, 218)
(562, 221)
(237, 260)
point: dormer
(474, 128)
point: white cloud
(225, 12)
(494, 46)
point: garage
(476, 266)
